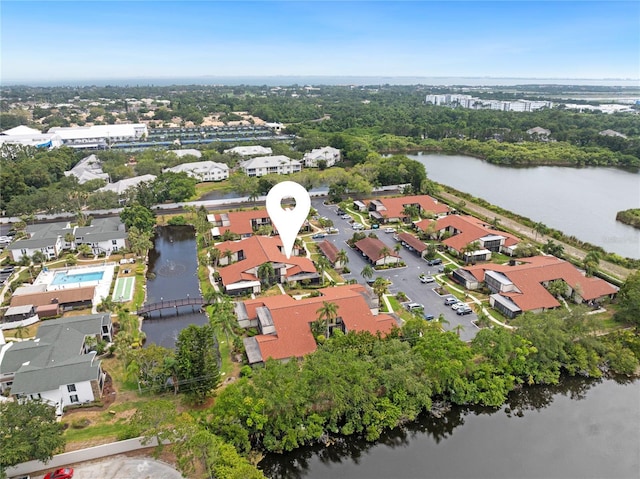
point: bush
(246, 371)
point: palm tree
(222, 318)
(442, 319)
(266, 274)
(540, 229)
(327, 314)
(342, 257)
(397, 249)
(214, 256)
(39, 257)
(228, 254)
(591, 262)
(322, 264)
(385, 252)
(85, 249)
(469, 249)
(411, 211)
(367, 272)
(553, 248)
(458, 329)
(380, 288)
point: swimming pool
(67, 278)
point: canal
(172, 274)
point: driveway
(122, 467)
(403, 279)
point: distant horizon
(79, 42)
(330, 80)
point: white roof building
(99, 135)
(264, 165)
(327, 154)
(250, 150)
(87, 169)
(203, 170)
(187, 152)
(122, 186)
(25, 136)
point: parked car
(429, 317)
(375, 226)
(341, 211)
(426, 279)
(318, 236)
(345, 217)
(414, 306)
(357, 226)
(434, 262)
(389, 230)
(458, 305)
(464, 310)
(62, 473)
(331, 231)
(450, 300)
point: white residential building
(87, 169)
(250, 150)
(122, 186)
(264, 165)
(203, 170)
(57, 366)
(327, 154)
(105, 235)
(187, 152)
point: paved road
(403, 279)
(122, 467)
(523, 231)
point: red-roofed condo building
(377, 252)
(461, 231)
(522, 287)
(391, 210)
(240, 261)
(241, 223)
(284, 323)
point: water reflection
(172, 274)
(433, 437)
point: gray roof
(252, 349)
(269, 161)
(15, 310)
(55, 357)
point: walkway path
(526, 232)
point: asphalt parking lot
(405, 279)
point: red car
(62, 473)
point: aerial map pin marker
(288, 221)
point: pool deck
(102, 286)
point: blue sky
(66, 40)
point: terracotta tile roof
(394, 206)
(529, 276)
(471, 229)
(239, 222)
(257, 251)
(63, 296)
(291, 319)
(372, 247)
(412, 241)
(329, 250)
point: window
(74, 398)
(71, 388)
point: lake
(578, 429)
(173, 274)
(582, 202)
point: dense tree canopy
(28, 431)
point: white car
(426, 279)
(357, 226)
(345, 217)
(458, 305)
(389, 230)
